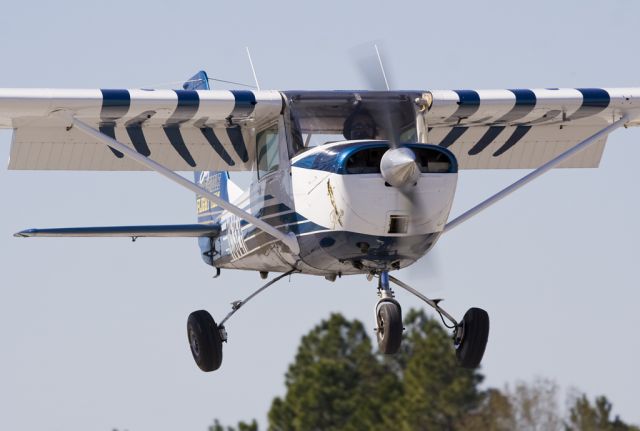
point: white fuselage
(345, 223)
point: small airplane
(343, 182)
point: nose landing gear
(469, 336)
(388, 318)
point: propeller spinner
(399, 168)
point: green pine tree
(335, 382)
(339, 382)
(437, 394)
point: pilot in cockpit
(359, 125)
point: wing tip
(25, 233)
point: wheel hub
(193, 341)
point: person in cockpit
(359, 125)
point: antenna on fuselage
(255, 77)
(384, 75)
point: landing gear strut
(206, 337)
(469, 336)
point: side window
(267, 150)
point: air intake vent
(398, 223)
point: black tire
(389, 327)
(204, 340)
(475, 333)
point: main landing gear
(205, 340)
(206, 337)
(469, 336)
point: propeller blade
(368, 59)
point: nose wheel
(389, 329)
(388, 318)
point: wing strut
(536, 173)
(289, 240)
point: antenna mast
(384, 75)
(255, 77)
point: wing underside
(185, 130)
(524, 128)
(201, 130)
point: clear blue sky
(93, 331)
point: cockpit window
(323, 117)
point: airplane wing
(177, 231)
(185, 130)
(524, 128)
(213, 129)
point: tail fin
(214, 182)
(199, 81)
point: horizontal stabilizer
(176, 230)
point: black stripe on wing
(517, 135)
(237, 140)
(245, 103)
(489, 136)
(525, 102)
(137, 139)
(177, 142)
(468, 104)
(453, 135)
(115, 105)
(136, 135)
(109, 129)
(215, 143)
(188, 103)
(594, 101)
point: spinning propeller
(398, 165)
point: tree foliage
(436, 393)
(335, 382)
(535, 406)
(583, 416)
(495, 413)
(242, 426)
(338, 381)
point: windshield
(321, 117)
